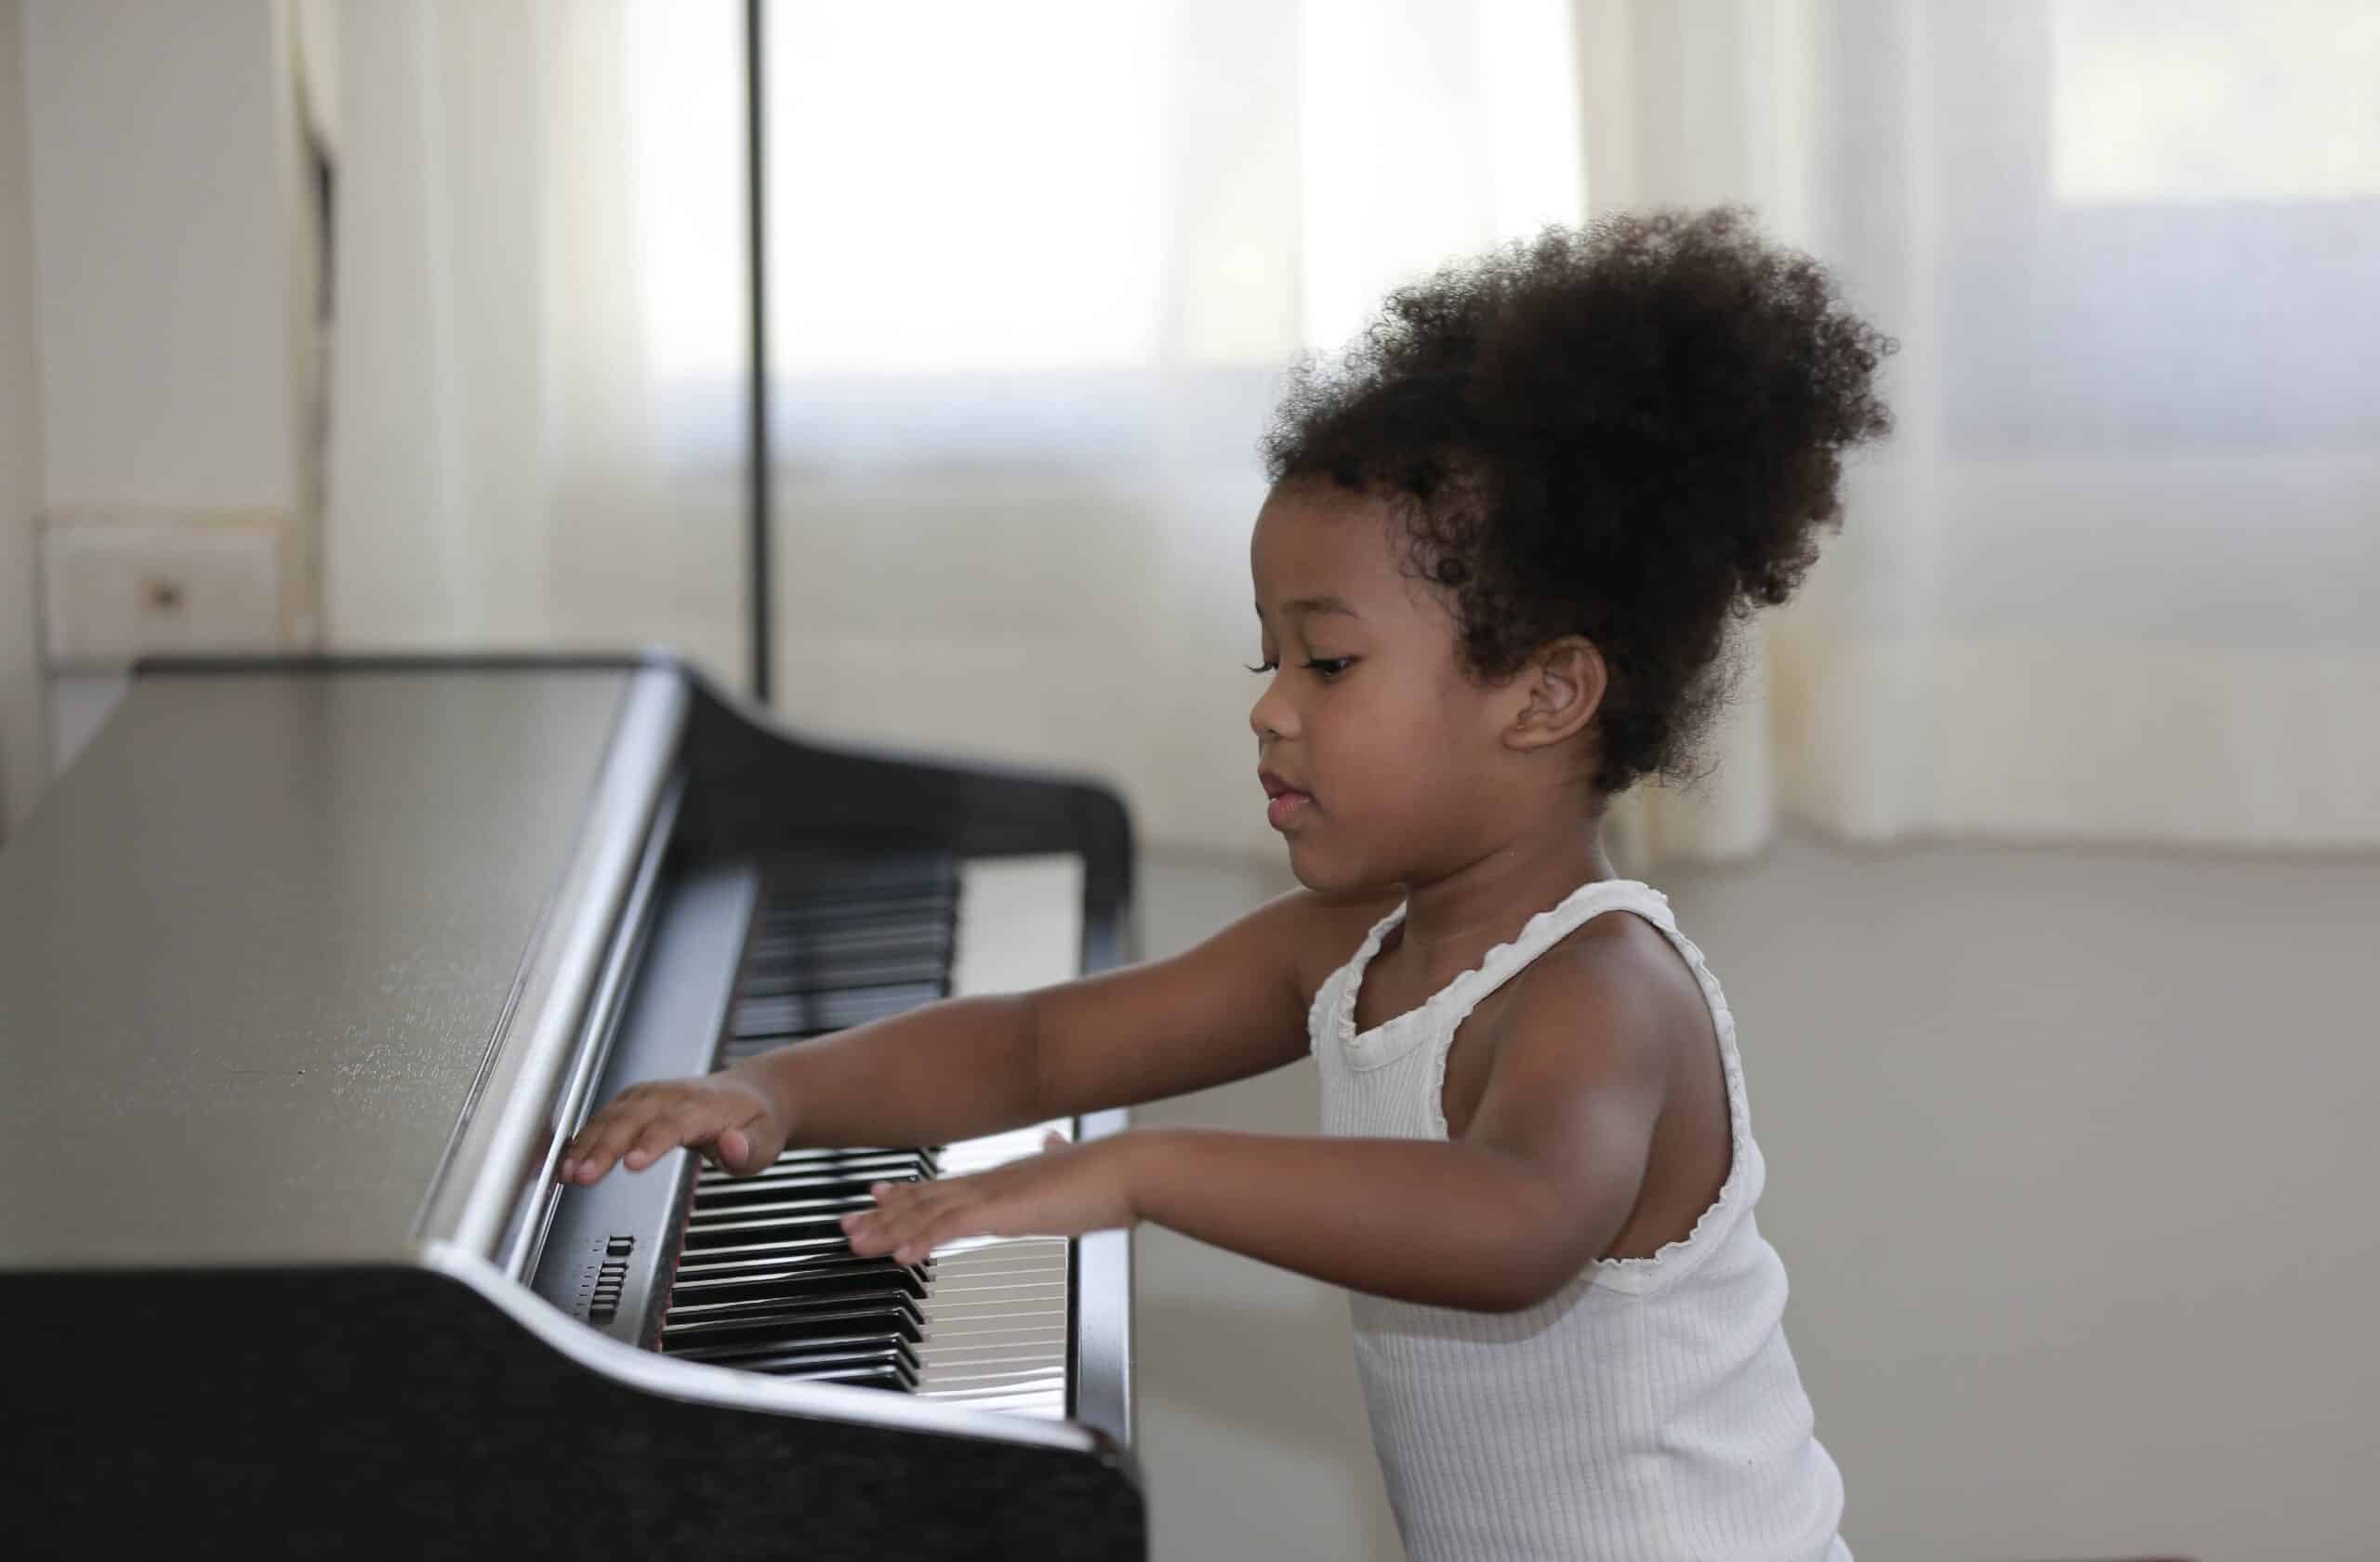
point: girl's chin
(1316, 874)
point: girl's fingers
(903, 1222)
(646, 1121)
(609, 1139)
(945, 1228)
(657, 1138)
(621, 1128)
(912, 1218)
(869, 1235)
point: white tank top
(1651, 1407)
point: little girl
(1504, 542)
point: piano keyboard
(766, 1281)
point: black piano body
(308, 967)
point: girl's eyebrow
(1312, 604)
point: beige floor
(2071, 1167)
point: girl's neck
(1455, 921)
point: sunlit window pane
(967, 186)
(2215, 100)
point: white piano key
(996, 1323)
(1020, 923)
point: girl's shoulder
(1630, 960)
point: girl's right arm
(1230, 1007)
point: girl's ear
(1564, 684)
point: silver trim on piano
(496, 1177)
(696, 1382)
(526, 1232)
(1104, 1333)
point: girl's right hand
(724, 1115)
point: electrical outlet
(116, 589)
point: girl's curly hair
(1631, 432)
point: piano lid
(255, 946)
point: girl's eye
(1325, 667)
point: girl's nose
(1271, 716)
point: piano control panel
(603, 1275)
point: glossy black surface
(389, 1413)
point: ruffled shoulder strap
(1542, 931)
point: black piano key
(892, 1312)
(923, 922)
(778, 1313)
(891, 1381)
(807, 1281)
(893, 1377)
(779, 931)
(860, 1174)
(769, 1195)
(791, 1210)
(840, 1010)
(854, 1183)
(795, 921)
(826, 943)
(863, 1354)
(849, 901)
(820, 982)
(829, 1350)
(820, 987)
(790, 946)
(714, 1230)
(790, 1247)
(800, 886)
(727, 1263)
(868, 1334)
(818, 1345)
(818, 1155)
(882, 1167)
(889, 1363)
(802, 883)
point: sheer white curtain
(2114, 575)
(538, 284)
(1035, 269)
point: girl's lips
(1286, 807)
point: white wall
(160, 233)
(171, 323)
(23, 763)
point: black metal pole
(755, 103)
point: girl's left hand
(1065, 1191)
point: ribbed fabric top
(1649, 1409)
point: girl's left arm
(1450, 1224)
(1542, 1181)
